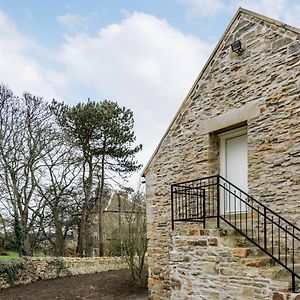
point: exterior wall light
(236, 47)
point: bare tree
(26, 130)
(60, 193)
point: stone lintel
(233, 117)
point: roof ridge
(269, 20)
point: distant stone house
(117, 214)
(116, 217)
(230, 159)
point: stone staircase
(221, 264)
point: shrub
(57, 264)
(133, 240)
(11, 269)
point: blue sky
(143, 54)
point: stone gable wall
(266, 75)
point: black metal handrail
(216, 197)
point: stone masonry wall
(267, 75)
(211, 266)
(34, 269)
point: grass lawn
(11, 255)
(14, 255)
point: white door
(234, 167)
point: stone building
(240, 120)
(116, 216)
(119, 212)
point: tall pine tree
(102, 132)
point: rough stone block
(241, 252)
(278, 296)
(201, 243)
(213, 242)
(248, 291)
(210, 268)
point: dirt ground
(116, 285)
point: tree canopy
(58, 166)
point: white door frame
(223, 165)
(226, 136)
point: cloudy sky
(144, 54)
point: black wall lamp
(236, 47)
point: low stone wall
(31, 269)
(220, 264)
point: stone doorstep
(238, 218)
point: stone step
(244, 252)
(278, 272)
(197, 231)
(256, 262)
(203, 241)
(242, 222)
(229, 237)
(227, 246)
(261, 255)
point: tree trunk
(100, 208)
(27, 247)
(81, 233)
(120, 217)
(89, 244)
(77, 236)
(19, 233)
(59, 247)
(87, 186)
(100, 232)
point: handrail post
(218, 201)
(265, 228)
(293, 283)
(172, 209)
(204, 212)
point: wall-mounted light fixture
(236, 47)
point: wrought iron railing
(216, 197)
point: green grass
(11, 255)
(14, 255)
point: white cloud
(270, 8)
(143, 63)
(282, 10)
(71, 22)
(292, 16)
(198, 8)
(18, 69)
